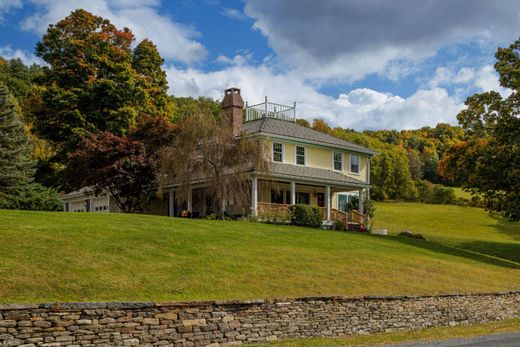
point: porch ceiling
(313, 175)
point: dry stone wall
(224, 323)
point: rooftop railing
(270, 110)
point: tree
(19, 79)
(16, 164)
(205, 149)
(126, 166)
(91, 85)
(17, 189)
(488, 162)
(147, 62)
(320, 125)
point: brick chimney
(232, 107)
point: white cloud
(465, 79)
(358, 109)
(7, 5)
(349, 39)
(233, 13)
(28, 58)
(175, 41)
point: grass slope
(96, 257)
(466, 228)
(417, 336)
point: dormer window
(354, 163)
(338, 161)
(278, 152)
(300, 155)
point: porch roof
(316, 175)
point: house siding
(322, 158)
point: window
(276, 197)
(300, 155)
(354, 163)
(302, 198)
(338, 161)
(278, 152)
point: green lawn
(459, 193)
(424, 335)
(466, 228)
(97, 257)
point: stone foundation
(224, 323)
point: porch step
(355, 226)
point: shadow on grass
(470, 251)
(503, 226)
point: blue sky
(358, 64)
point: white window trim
(342, 161)
(283, 152)
(296, 155)
(350, 165)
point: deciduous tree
(488, 163)
(126, 166)
(205, 149)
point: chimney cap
(232, 90)
(232, 98)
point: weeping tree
(206, 149)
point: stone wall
(223, 323)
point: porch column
(171, 211)
(361, 198)
(189, 199)
(327, 201)
(254, 196)
(293, 192)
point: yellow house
(305, 167)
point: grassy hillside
(92, 257)
(466, 228)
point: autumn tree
(126, 166)
(94, 81)
(205, 149)
(488, 162)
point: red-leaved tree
(126, 166)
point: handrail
(358, 217)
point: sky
(373, 64)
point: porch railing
(266, 207)
(272, 210)
(335, 215)
(357, 217)
(270, 110)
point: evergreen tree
(16, 164)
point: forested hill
(408, 159)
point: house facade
(305, 167)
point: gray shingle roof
(293, 130)
(311, 173)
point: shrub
(442, 195)
(305, 215)
(339, 225)
(275, 217)
(424, 189)
(32, 196)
